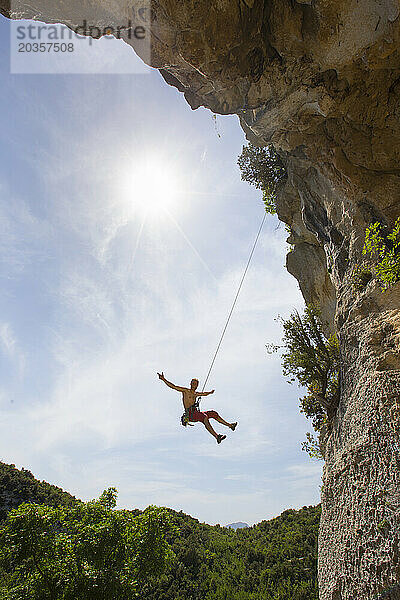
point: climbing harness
(235, 300)
(187, 415)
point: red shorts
(198, 415)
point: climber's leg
(212, 414)
(209, 428)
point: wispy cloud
(24, 237)
(303, 471)
(7, 339)
(10, 347)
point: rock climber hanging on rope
(192, 413)
(190, 395)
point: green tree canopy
(19, 485)
(385, 251)
(88, 551)
(274, 560)
(312, 359)
(263, 168)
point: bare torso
(188, 397)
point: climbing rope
(234, 302)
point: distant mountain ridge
(238, 525)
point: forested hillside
(273, 560)
(18, 486)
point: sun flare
(150, 188)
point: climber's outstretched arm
(205, 393)
(169, 384)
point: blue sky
(99, 290)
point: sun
(150, 187)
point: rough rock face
(320, 80)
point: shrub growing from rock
(384, 250)
(312, 359)
(263, 168)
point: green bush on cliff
(385, 251)
(311, 445)
(312, 359)
(86, 551)
(263, 168)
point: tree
(263, 168)
(385, 250)
(88, 551)
(313, 360)
(276, 559)
(19, 486)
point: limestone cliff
(320, 80)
